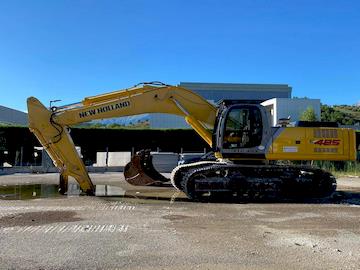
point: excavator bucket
(140, 171)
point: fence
(18, 146)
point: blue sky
(71, 49)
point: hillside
(343, 114)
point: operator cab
(241, 130)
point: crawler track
(252, 181)
(228, 180)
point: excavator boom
(51, 125)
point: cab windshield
(243, 128)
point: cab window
(243, 128)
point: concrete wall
(162, 161)
(114, 159)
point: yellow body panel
(320, 143)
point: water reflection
(34, 191)
(148, 194)
(26, 192)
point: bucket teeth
(140, 171)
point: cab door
(241, 132)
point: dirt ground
(126, 227)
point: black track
(253, 181)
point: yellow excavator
(247, 148)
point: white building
(276, 97)
(218, 91)
(293, 108)
(214, 92)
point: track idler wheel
(140, 171)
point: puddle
(35, 191)
(145, 193)
(148, 194)
(26, 192)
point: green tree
(308, 115)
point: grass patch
(340, 168)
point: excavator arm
(50, 126)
